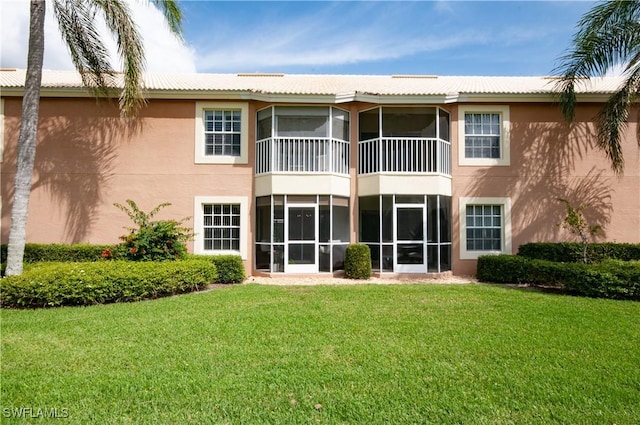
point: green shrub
(152, 240)
(609, 279)
(571, 252)
(58, 284)
(35, 253)
(502, 268)
(357, 262)
(230, 268)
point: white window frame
(198, 223)
(505, 203)
(505, 138)
(200, 157)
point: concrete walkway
(321, 280)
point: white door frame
(409, 268)
(301, 268)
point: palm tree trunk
(27, 139)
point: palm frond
(612, 120)
(608, 35)
(172, 14)
(88, 53)
(76, 20)
(129, 42)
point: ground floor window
(485, 227)
(220, 223)
(407, 233)
(301, 233)
(221, 226)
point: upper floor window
(484, 135)
(481, 135)
(221, 133)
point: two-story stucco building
(287, 170)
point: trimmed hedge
(609, 279)
(571, 252)
(36, 252)
(88, 283)
(357, 262)
(230, 268)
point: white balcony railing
(302, 155)
(404, 155)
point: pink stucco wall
(88, 158)
(550, 160)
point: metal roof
(322, 85)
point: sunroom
(397, 142)
(302, 188)
(310, 143)
(404, 188)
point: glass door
(410, 238)
(302, 239)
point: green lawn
(366, 354)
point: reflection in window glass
(264, 123)
(340, 124)
(408, 122)
(444, 124)
(338, 256)
(387, 218)
(263, 218)
(340, 223)
(444, 216)
(369, 213)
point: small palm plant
(576, 223)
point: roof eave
(450, 98)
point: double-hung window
(485, 226)
(483, 135)
(221, 133)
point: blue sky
(344, 37)
(357, 37)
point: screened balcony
(404, 140)
(302, 155)
(302, 140)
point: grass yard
(362, 354)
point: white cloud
(338, 33)
(164, 53)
